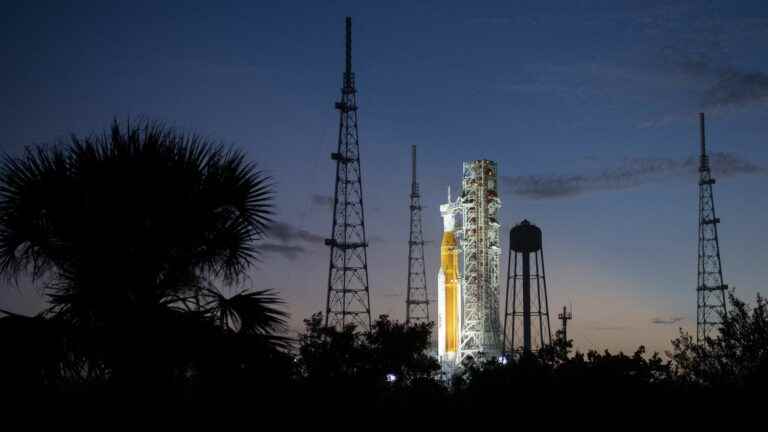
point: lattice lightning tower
(417, 302)
(710, 288)
(348, 300)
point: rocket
(448, 287)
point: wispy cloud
(667, 321)
(287, 233)
(291, 241)
(725, 83)
(291, 252)
(737, 87)
(321, 200)
(631, 173)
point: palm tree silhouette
(131, 231)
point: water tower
(526, 318)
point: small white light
(391, 378)
(503, 360)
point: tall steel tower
(416, 303)
(530, 305)
(480, 203)
(564, 317)
(710, 288)
(348, 299)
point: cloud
(290, 240)
(631, 173)
(375, 239)
(726, 85)
(287, 233)
(671, 320)
(288, 251)
(728, 165)
(735, 87)
(321, 200)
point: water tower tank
(525, 237)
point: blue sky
(589, 107)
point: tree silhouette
(35, 353)
(737, 357)
(130, 232)
(386, 366)
(558, 351)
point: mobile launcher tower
(468, 280)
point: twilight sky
(589, 107)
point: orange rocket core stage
(449, 261)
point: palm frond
(31, 188)
(135, 222)
(247, 312)
(145, 202)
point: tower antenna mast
(348, 300)
(564, 317)
(710, 289)
(417, 302)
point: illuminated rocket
(468, 281)
(449, 286)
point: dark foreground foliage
(389, 370)
(130, 233)
(133, 232)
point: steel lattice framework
(348, 300)
(480, 328)
(564, 317)
(711, 303)
(417, 301)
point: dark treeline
(138, 238)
